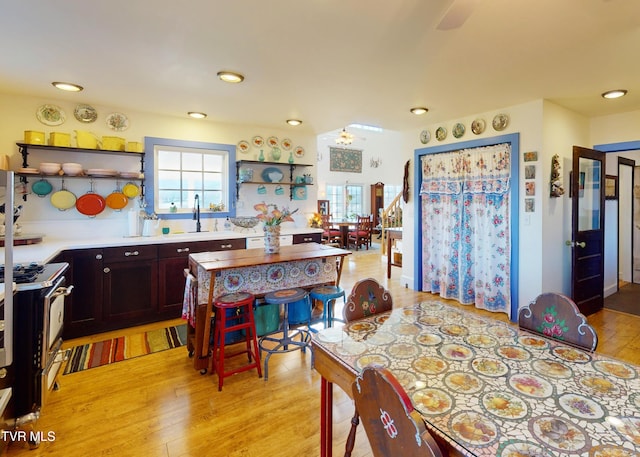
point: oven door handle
(62, 291)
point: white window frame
(228, 178)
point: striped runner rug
(114, 350)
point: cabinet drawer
(166, 251)
(131, 252)
(307, 238)
(227, 245)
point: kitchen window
(183, 169)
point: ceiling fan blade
(457, 14)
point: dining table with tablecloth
(485, 387)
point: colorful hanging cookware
(63, 199)
(131, 190)
(42, 188)
(91, 204)
(116, 200)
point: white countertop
(51, 246)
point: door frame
(587, 245)
(623, 161)
(514, 140)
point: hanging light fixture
(344, 138)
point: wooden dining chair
(361, 235)
(367, 297)
(393, 427)
(330, 234)
(554, 315)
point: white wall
(563, 129)
(386, 146)
(17, 113)
(525, 119)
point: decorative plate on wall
(257, 141)
(50, 115)
(425, 136)
(478, 126)
(458, 130)
(298, 152)
(243, 146)
(286, 144)
(500, 122)
(441, 133)
(85, 113)
(118, 122)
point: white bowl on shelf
(49, 168)
(72, 169)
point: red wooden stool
(239, 319)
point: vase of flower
(272, 217)
(271, 239)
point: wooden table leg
(326, 418)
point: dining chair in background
(554, 315)
(393, 427)
(330, 234)
(367, 297)
(361, 235)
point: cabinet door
(130, 293)
(83, 308)
(130, 284)
(173, 258)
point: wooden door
(377, 202)
(587, 243)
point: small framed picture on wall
(611, 187)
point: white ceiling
(327, 62)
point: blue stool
(297, 339)
(327, 295)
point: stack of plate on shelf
(30, 171)
(130, 174)
(101, 172)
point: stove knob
(3, 373)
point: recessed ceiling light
(230, 77)
(197, 114)
(615, 93)
(294, 121)
(70, 87)
(418, 110)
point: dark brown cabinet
(130, 284)
(119, 287)
(83, 308)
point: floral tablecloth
(261, 279)
(490, 389)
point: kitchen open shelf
(291, 184)
(24, 151)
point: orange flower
(271, 215)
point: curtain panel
(465, 198)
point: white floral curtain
(465, 198)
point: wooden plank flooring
(157, 405)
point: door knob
(573, 244)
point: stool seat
(228, 321)
(233, 299)
(327, 295)
(290, 341)
(286, 296)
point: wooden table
(484, 387)
(304, 265)
(392, 234)
(344, 227)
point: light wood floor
(158, 405)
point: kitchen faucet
(196, 213)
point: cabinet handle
(306, 240)
(129, 253)
(99, 257)
(226, 246)
(182, 250)
(106, 269)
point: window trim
(150, 144)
